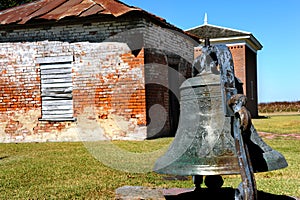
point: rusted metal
(78, 9)
(241, 130)
(92, 10)
(16, 14)
(115, 7)
(49, 6)
(59, 9)
(63, 10)
(56, 10)
(247, 189)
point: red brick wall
(124, 92)
(239, 60)
(110, 79)
(157, 92)
(106, 77)
(19, 87)
(245, 66)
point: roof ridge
(230, 29)
(221, 27)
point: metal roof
(213, 31)
(59, 9)
(56, 10)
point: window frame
(56, 88)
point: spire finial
(205, 19)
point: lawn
(70, 171)
(280, 123)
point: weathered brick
(106, 76)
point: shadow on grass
(3, 157)
(224, 194)
(261, 117)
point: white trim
(248, 40)
(236, 43)
(256, 42)
(231, 38)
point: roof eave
(249, 38)
(256, 42)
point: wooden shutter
(56, 88)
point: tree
(4, 4)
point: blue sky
(276, 24)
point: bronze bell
(204, 143)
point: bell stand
(247, 189)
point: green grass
(69, 171)
(284, 181)
(280, 124)
(65, 171)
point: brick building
(73, 69)
(243, 46)
(70, 66)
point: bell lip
(204, 170)
(275, 161)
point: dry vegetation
(284, 106)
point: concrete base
(138, 193)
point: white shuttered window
(56, 88)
